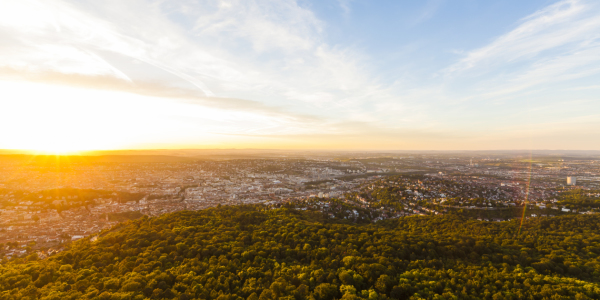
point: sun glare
(57, 149)
(48, 119)
(53, 119)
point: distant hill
(218, 154)
(247, 252)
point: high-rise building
(571, 180)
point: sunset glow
(85, 75)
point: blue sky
(340, 74)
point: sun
(60, 143)
(57, 149)
(56, 120)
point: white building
(571, 180)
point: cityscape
(45, 206)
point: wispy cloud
(569, 22)
(345, 6)
(273, 59)
(428, 11)
(583, 88)
(188, 47)
(555, 45)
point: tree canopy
(249, 252)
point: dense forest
(250, 252)
(580, 199)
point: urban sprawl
(45, 204)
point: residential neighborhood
(43, 206)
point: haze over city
(343, 75)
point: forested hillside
(245, 252)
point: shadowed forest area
(248, 252)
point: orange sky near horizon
(77, 76)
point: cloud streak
(569, 22)
(275, 60)
(211, 56)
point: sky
(329, 74)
